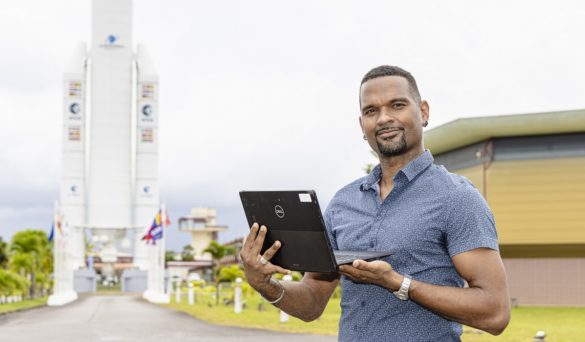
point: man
(437, 224)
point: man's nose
(385, 117)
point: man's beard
(389, 149)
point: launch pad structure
(109, 183)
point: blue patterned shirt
(429, 216)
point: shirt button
(363, 304)
(372, 245)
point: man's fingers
(355, 273)
(257, 246)
(363, 265)
(249, 240)
(269, 253)
(278, 269)
(253, 232)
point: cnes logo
(279, 211)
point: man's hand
(257, 267)
(375, 272)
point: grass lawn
(269, 318)
(109, 289)
(560, 324)
(27, 304)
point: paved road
(123, 318)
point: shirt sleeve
(470, 222)
(328, 218)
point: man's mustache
(388, 129)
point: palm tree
(217, 252)
(31, 254)
(11, 283)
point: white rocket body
(110, 168)
(109, 180)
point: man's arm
(305, 299)
(484, 304)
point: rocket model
(109, 184)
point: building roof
(463, 132)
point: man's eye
(398, 105)
(369, 111)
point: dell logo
(279, 211)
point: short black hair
(391, 70)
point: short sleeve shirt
(429, 216)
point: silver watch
(402, 292)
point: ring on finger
(263, 261)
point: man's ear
(424, 111)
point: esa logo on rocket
(147, 112)
(110, 42)
(74, 111)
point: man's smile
(388, 133)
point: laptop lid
(294, 218)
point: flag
(58, 226)
(52, 233)
(155, 232)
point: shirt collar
(411, 170)
(372, 178)
(418, 165)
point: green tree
(12, 283)
(217, 252)
(230, 273)
(370, 166)
(3, 253)
(169, 256)
(188, 253)
(30, 254)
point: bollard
(539, 337)
(169, 287)
(284, 315)
(238, 296)
(191, 298)
(178, 292)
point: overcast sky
(263, 94)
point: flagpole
(162, 246)
(155, 290)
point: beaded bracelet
(272, 280)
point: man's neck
(391, 165)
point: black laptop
(294, 218)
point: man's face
(391, 119)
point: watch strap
(402, 292)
